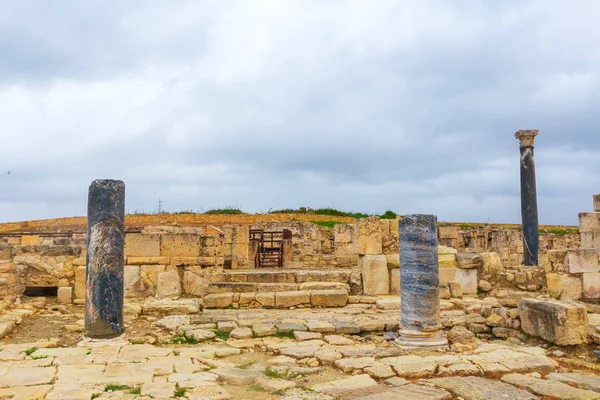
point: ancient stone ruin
(403, 308)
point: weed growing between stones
(180, 392)
(285, 335)
(30, 351)
(246, 366)
(113, 388)
(271, 373)
(39, 357)
(182, 339)
(222, 335)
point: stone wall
(164, 264)
(169, 261)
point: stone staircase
(277, 288)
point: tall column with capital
(529, 212)
(104, 288)
(597, 203)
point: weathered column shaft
(419, 282)
(529, 212)
(597, 203)
(104, 264)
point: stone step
(248, 287)
(283, 276)
(279, 299)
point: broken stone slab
(562, 323)
(171, 322)
(346, 385)
(473, 387)
(304, 336)
(338, 340)
(290, 327)
(169, 284)
(582, 381)
(409, 391)
(320, 326)
(170, 306)
(346, 327)
(550, 388)
(329, 298)
(350, 364)
(200, 335)
(274, 385)
(292, 298)
(237, 376)
(241, 333)
(218, 300)
(469, 261)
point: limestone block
(37, 278)
(131, 280)
(589, 222)
(148, 260)
(375, 276)
(266, 299)
(597, 203)
(141, 245)
(343, 233)
(80, 282)
(180, 244)
(218, 300)
(149, 277)
(590, 240)
(368, 236)
(448, 232)
(591, 285)
(447, 275)
(5, 252)
(344, 249)
(169, 284)
(30, 240)
(556, 260)
(64, 295)
(393, 260)
(467, 279)
(564, 287)
(239, 255)
(194, 284)
(558, 322)
(292, 298)
(183, 261)
(328, 298)
(469, 261)
(579, 261)
(172, 307)
(491, 262)
(446, 257)
(395, 281)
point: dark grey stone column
(529, 212)
(419, 283)
(104, 264)
(597, 203)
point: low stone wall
(161, 264)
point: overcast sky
(359, 105)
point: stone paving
(210, 369)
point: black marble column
(419, 283)
(104, 264)
(529, 212)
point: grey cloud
(408, 106)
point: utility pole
(160, 209)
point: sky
(362, 106)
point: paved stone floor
(313, 354)
(333, 366)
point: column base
(115, 341)
(412, 340)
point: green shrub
(226, 210)
(388, 215)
